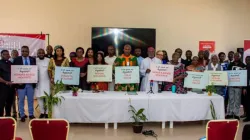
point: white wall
(179, 23)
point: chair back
(7, 128)
(222, 129)
(49, 129)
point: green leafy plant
(138, 116)
(74, 89)
(210, 88)
(213, 113)
(52, 98)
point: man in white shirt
(110, 60)
(43, 84)
(145, 70)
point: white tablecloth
(112, 107)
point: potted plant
(210, 89)
(74, 91)
(53, 99)
(139, 117)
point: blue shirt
(139, 59)
(28, 60)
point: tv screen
(102, 37)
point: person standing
(99, 60)
(59, 60)
(25, 89)
(222, 62)
(49, 50)
(165, 59)
(188, 60)
(82, 63)
(72, 55)
(179, 51)
(214, 65)
(145, 71)
(246, 91)
(179, 75)
(230, 57)
(43, 84)
(234, 102)
(126, 59)
(90, 55)
(159, 55)
(206, 57)
(201, 58)
(14, 54)
(137, 53)
(6, 87)
(110, 59)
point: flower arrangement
(75, 91)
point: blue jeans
(29, 92)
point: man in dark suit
(25, 89)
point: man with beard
(43, 84)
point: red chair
(222, 129)
(8, 129)
(49, 129)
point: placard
(218, 78)
(23, 74)
(198, 80)
(160, 72)
(237, 78)
(68, 75)
(127, 75)
(99, 73)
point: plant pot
(74, 93)
(137, 128)
(209, 93)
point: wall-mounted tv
(102, 37)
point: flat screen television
(102, 37)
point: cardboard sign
(23, 74)
(99, 73)
(68, 75)
(160, 72)
(237, 78)
(127, 75)
(218, 78)
(198, 80)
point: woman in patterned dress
(59, 60)
(179, 75)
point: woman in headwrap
(58, 60)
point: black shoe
(26, 116)
(46, 116)
(237, 117)
(42, 116)
(229, 117)
(23, 119)
(32, 117)
(243, 116)
(246, 120)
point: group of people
(47, 62)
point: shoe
(246, 120)
(23, 119)
(46, 116)
(32, 117)
(42, 116)
(237, 117)
(243, 116)
(26, 116)
(229, 117)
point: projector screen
(102, 37)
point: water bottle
(173, 88)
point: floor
(181, 131)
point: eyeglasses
(160, 54)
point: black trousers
(6, 99)
(247, 103)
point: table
(112, 107)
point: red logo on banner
(207, 45)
